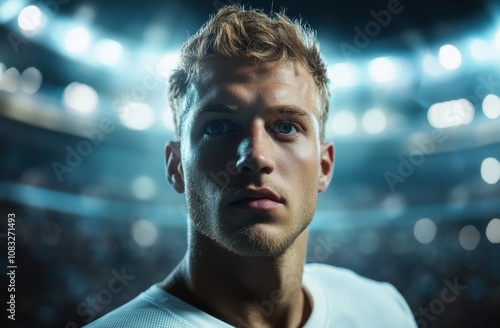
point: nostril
(246, 162)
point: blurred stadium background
(415, 198)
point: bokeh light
(480, 49)
(343, 123)
(374, 121)
(144, 187)
(30, 19)
(394, 204)
(490, 170)
(77, 40)
(424, 231)
(144, 233)
(10, 9)
(450, 57)
(451, 113)
(491, 106)
(493, 231)
(469, 237)
(431, 65)
(80, 98)
(343, 75)
(137, 116)
(167, 64)
(108, 52)
(31, 80)
(10, 80)
(382, 70)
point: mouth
(257, 199)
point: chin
(259, 240)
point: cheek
(210, 164)
(301, 162)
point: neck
(241, 290)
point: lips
(256, 199)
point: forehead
(263, 83)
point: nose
(255, 151)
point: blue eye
(218, 128)
(285, 128)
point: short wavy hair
(249, 35)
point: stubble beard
(248, 239)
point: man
(250, 102)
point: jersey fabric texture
(340, 299)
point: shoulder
(142, 311)
(342, 278)
(350, 294)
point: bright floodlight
(167, 64)
(137, 116)
(450, 57)
(451, 113)
(479, 49)
(493, 231)
(108, 52)
(30, 19)
(80, 98)
(343, 123)
(31, 80)
(491, 106)
(424, 231)
(343, 75)
(374, 121)
(77, 40)
(382, 70)
(490, 170)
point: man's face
(250, 155)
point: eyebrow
(217, 108)
(280, 109)
(290, 110)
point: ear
(173, 171)
(327, 160)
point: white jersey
(340, 299)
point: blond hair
(250, 35)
